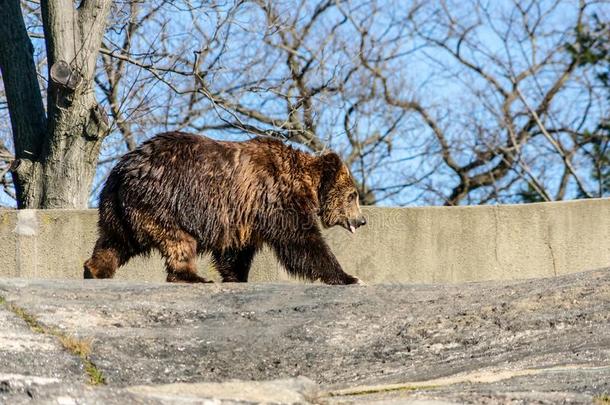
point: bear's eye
(352, 197)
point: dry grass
(366, 390)
(81, 347)
(74, 345)
(32, 322)
(602, 400)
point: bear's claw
(186, 278)
(359, 282)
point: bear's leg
(104, 261)
(234, 265)
(181, 259)
(312, 259)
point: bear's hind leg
(234, 265)
(181, 259)
(104, 261)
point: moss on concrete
(74, 345)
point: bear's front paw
(360, 282)
(356, 281)
(343, 279)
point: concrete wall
(399, 245)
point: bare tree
(513, 61)
(450, 102)
(296, 81)
(56, 149)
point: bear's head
(337, 194)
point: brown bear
(186, 195)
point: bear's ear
(329, 166)
(330, 161)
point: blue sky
(458, 99)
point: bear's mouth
(353, 224)
(351, 228)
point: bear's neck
(315, 173)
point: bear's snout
(353, 224)
(358, 222)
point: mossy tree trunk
(56, 151)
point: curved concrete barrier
(399, 245)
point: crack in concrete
(73, 345)
(478, 377)
(552, 258)
(550, 246)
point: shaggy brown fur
(185, 195)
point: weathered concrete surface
(399, 245)
(41, 355)
(544, 340)
(17, 390)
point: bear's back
(214, 190)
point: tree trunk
(28, 119)
(55, 165)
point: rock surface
(544, 340)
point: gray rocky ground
(544, 341)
